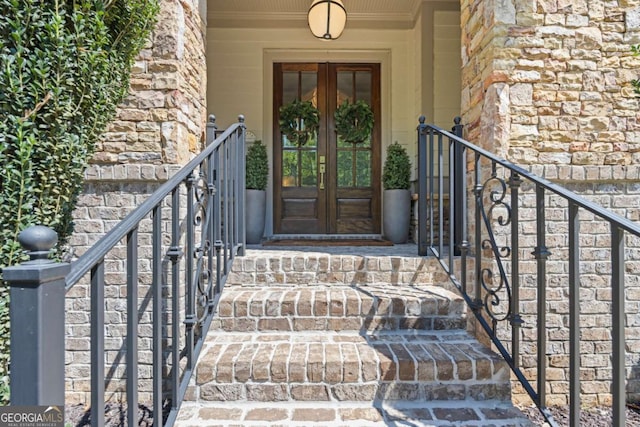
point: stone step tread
(299, 366)
(339, 308)
(433, 413)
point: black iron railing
(192, 227)
(501, 202)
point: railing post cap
(422, 119)
(241, 118)
(38, 240)
(212, 119)
(457, 120)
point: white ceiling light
(327, 19)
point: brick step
(353, 414)
(348, 366)
(283, 268)
(339, 307)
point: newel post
(422, 187)
(459, 180)
(37, 291)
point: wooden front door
(326, 185)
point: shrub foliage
(64, 66)
(257, 166)
(396, 174)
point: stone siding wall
(158, 128)
(595, 266)
(546, 84)
(162, 121)
(595, 292)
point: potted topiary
(257, 173)
(397, 198)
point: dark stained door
(327, 185)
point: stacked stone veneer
(158, 128)
(546, 84)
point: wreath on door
(354, 121)
(299, 120)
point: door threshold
(328, 240)
(325, 237)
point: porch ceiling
(292, 13)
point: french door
(326, 185)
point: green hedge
(64, 67)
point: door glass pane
(363, 168)
(289, 87)
(345, 87)
(309, 176)
(312, 142)
(363, 86)
(365, 144)
(309, 87)
(299, 161)
(350, 84)
(289, 168)
(286, 143)
(345, 168)
(342, 143)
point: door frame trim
(271, 56)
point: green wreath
(298, 121)
(354, 122)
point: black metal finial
(457, 120)
(422, 119)
(212, 118)
(38, 241)
(241, 118)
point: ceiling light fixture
(327, 19)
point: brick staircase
(306, 339)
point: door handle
(322, 171)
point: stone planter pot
(255, 209)
(396, 207)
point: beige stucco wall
(237, 70)
(446, 67)
(240, 75)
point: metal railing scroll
(173, 253)
(487, 221)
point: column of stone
(158, 128)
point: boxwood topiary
(397, 168)
(257, 167)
